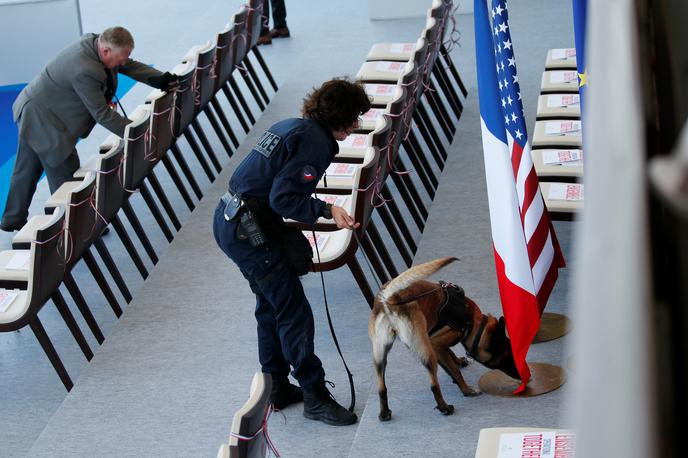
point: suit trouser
(28, 169)
(279, 14)
(285, 320)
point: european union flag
(580, 13)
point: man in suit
(62, 104)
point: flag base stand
(552, 326)
(543, 379)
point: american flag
(527, 254)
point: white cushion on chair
(382, 93)
(557, 133)
(559, 81)
(192, 54)
(369, 119)
(564, 168)
(331, 245)
(27, 234)
(354, 147)
(561, 58)
(16, 308)
(383, 70)
(391, 51)
(552, 106)
(13, 274)
(562, 203)
(61, 196)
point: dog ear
(501, 326)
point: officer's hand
(343, 219)
(165, 82)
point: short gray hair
(117, 37)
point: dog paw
(472, 392)
(448, 410)
(385, 416)
(463, 361)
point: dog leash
(332, 332)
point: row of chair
(50, 245)
(557, 141)
(417, 97)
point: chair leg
(102, 283)
(206, 144)
(413, 192)
(252, 72)
(420, 171)
(452, 69)
(164, 201)
(448, 90)
(430, 137)
(72, 324)
(399, 220)
(420, 108)
(265, 68)
(199, 155)
(218, 130)
(138, 230)
(112, 267)
(381, 249)
(235, 108)
(252, 89)
(405, 195)
(412, 147)
(360, 278)
(167, 163)
(179, 157)
(223, 120)
(148, 198)
(373, 258)
(49, 350)
(240, 97)
(81, 304)
(438, 108)
(383, 211)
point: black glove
(165, 81)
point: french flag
(526, 250)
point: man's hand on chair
(343, 219)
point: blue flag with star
(580, 13)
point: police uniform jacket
(67, 98)
(285, 166)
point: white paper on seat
(562, 156)
(6, 298)
(566, 191)
(562, 127)
(338, 169)
(18, 261)
(545, 444)
(563, 100)
(392, 67)
(564, 53)
(321, 239)
(336, 201)
(354, 141)
(373, 114)
(563, 77)
(402, 48)
(380, 89)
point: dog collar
(476, 341)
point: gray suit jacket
(63, 103)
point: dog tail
(414, 274)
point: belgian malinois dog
(430, 318)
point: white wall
(394, 9)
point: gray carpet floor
(179, 362)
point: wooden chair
(559, 133)
(559, 81)
(564, 201)
(558, 106)
(558, 164)
(561, 59)
(43, 269)
(248, 438)
(224, 60)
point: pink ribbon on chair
(262, 430)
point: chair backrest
(224, 56)
(433, 40)
(184, 97)
(137, 158)
(206, 71)
(250, 419)
(383, 139)
(254, 22)
(110, 192)
(80, 217)
(46, 270)
(162, 114)
(240, 44)
(419, 62)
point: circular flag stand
(543, 379)
(552, 326)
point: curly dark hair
(336, 104)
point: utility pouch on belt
(233, 204)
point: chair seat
(552, 106)
(338, 200)
(558, 163)
(489, 439)
(27, 234)
(385, 71)
(391, 51)
(339, 176)
(563, 133)
(559, 81)
(61, 196)
(331, 245)
(14, 265)
(11, 309)
(91, 165)
(368, 121)
(563, 197)
(354, 147)
(382, 93)
(561, 58)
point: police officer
(279, 176)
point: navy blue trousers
(284, 316)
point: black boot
(319, 404)
(284, 394)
